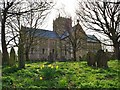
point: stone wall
(43, 49)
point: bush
(9, 70)
(7, 80)
(48, 71)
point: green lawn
(61, 75)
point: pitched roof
(92, 38)
(54, 35)
(42, 33)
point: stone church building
(54, 45)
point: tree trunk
(117, 51)
(74, 55)
(5, 56)
(21, 57)
(21, 53)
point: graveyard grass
(61, 75)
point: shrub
(48, 71)
(8, 70)
(63, 82)
(25, 73)
(7, 80)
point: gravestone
(91, 59)
(101, 59)
(12, 57)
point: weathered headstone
(12, 57)
(91, 59)
(101, 59)
(105, 60)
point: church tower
(60, 24)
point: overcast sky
(62, 7)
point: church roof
(92, 38)
(53, 35)
(42, 33)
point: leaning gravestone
(101, 59)
(105, 60)
(12, 57)
(91, 59)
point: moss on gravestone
(12, 57)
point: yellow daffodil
(43, 65)
(49, 65)
(40, 67)
(56, 67)
(41, 78)
(38, 70)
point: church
(57, 45)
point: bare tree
(102, 17)
(6, 6)
(12, 12)
(8, 10)
(32, 20)
(76, 37)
